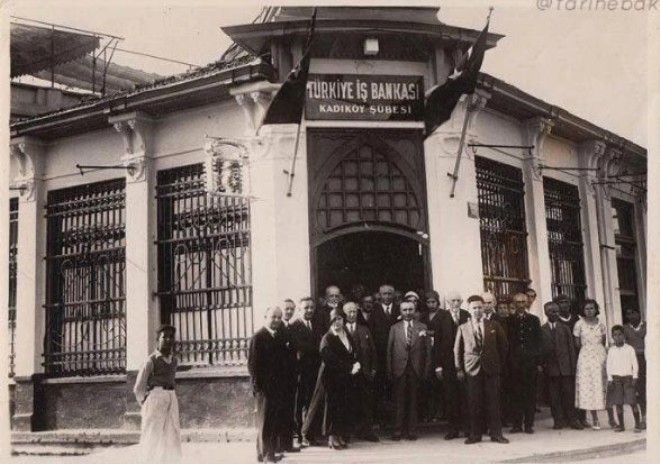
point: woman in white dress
(590, 378)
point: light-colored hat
(411, 293)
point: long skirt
(160, 440)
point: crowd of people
(342, 368)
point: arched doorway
(371, 259)
(368, 219)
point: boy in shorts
(622, 374)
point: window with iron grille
(624, 237)
(562, 213)
(13, 255)
(501, 197)
(204, 266)
(86, 300)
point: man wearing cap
(267, 365)
(565, 314)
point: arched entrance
(371, 258)
(368, 219)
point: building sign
(365, 97)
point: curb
(581, 454)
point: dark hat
(166, 328)
(335, 313)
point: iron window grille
(204, 268)
(85, 308)
(562, 212)
(13, 256)
(501, 197)
(624, 237)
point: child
(160, 438)
(621, 377)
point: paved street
(562, 444)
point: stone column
(279, 222)
(31, 271)
(454, 220)
(589, 154)
(535, 131)
(611, 304)
(142, 312)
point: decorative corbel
(135, 130)
(589, 155)
(535, 131)
(609, 165)
(248, 106)
(27, 152)
(254, 98)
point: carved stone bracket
(535, 131)
(589, 155)
(28, 153)
(135, 130)
(254, 98)
(610, 164)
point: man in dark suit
(387, 304)
(524, 335)
(445, 369)
(408, 361)
(287, 421)
(559, 361)
(491, 314)
(490, 309)
(479, 351)
(565, 315)
(333, 300)
(267, 364)
(365, 353)
(306, 338)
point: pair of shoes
(595, 426)
(342, 441)
(304, 443)
(557, 426)
(612, 423)
(529, 430)
(642, 425)
(272, 458)
(370, 437)
(637, 429)
(576, 425)
(499, 439)
(516, 429)
(472, 440)
(396, 437)
(619, 428)
(334, 443)
(451, 435)
(411, 437)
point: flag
(287, 104)
(443, 98)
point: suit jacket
(379, 327)
(365, 351)
(321, 319)
(525, 341)
(559, 354)
(306, 343)
(489, 357)
(394, 315)
(268, 363)
(398, 354)
(444, 337)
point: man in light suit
(559, 361)
(479, 352)
(365, 353)
(408, 362)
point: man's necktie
(409, 334)
(309, 325)
(478, 336)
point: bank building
(171, 202)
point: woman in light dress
(590, 378)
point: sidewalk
(546, 445)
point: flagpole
(292, 171)
(457, 165)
